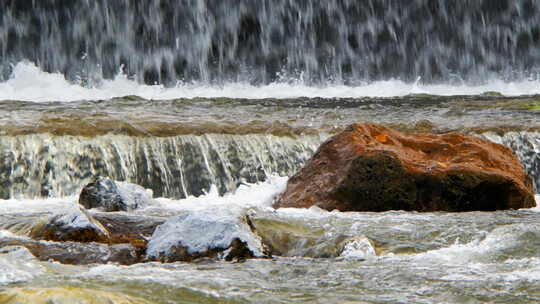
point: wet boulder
(73, 225)
(74, 253)
(124, 227)
(109, 195)
(204, 234)
(369, 167)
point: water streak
(52, 166)
(314, 42)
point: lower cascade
(176, 167)
(40, 165)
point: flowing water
(213, 105)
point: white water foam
(44, 205)
(29, 83)
(259, 195)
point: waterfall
(263, 41)
(527, 147)
(47, 166)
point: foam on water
(29, 83)
(18, 265)
(246, 195)
(259, 195)
(45, 205)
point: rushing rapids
(343, 41)
(212, 106)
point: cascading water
(317, 42)
(49, 166)
(527, 147)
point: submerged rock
(124, 228)
(201, 234)
(66, 294)
(369, 167)
(109, 195)
(19, 252)
(74, 225)
(75, 253)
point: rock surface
(75, 253)
(201, 234)
(66, 294)
(109, 195)
(74, 225)
(369, 167)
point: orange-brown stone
(369, 167)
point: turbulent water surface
(184, 148)
(213, 105)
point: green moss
(535, 106)
(514, 104)
(127, 98)
(492, 94)
(422, 96)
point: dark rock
(130, 229)
(109, 195)
(127, 224)
(369, 167)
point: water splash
(29, 83)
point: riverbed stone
(369, 167)
(109, 195)
(204, 234)
(75, 253)
(74, 225)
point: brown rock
(369, 167)
(74, 225)
(76, 253)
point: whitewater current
(211, 106)
(28, 83)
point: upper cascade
(264, 41)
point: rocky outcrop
(201, 234)
(369, 167)
(109, 195)
(74, 225)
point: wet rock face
(76, 253)
(201, 234)
(109, 195)
(369, 167)
(80, 237)
(74, 225)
